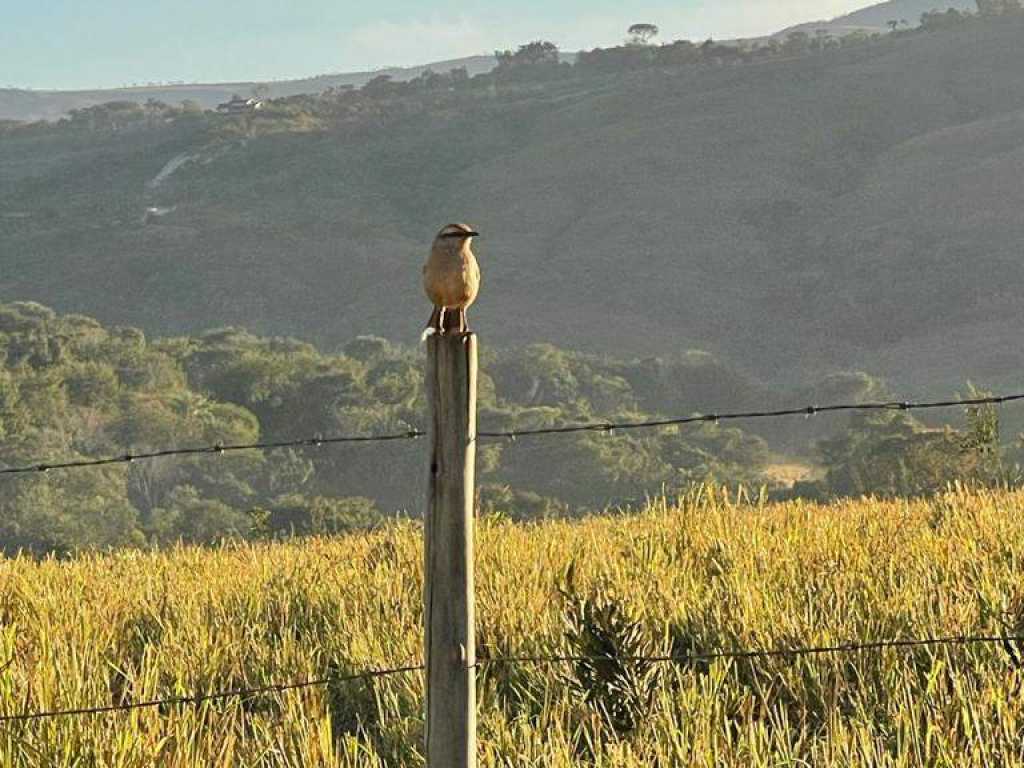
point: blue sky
(105, 43)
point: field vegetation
(709, 573)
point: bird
(451, 279)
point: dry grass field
(704, 574)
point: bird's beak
(472, 234)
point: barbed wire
(688, 658)
(714, 418)
(216, 449)
(200, 698)
(606, 427)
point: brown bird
(451, 278)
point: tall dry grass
(705, 574)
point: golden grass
(707, 574)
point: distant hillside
(857, 208)
(50, 105)
(17, 104)
(876, 18)
(910, 10)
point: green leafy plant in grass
(610, 673)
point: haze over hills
(876, 18)
(850, 209)
(880, 14)
(18, 104)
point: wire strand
(878, 645)
(217, 449)
(200, 698)
(603, 426)
(689, 658)
(810, 410)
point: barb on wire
(877, 645)
(1006, 641)
(605, 427)
(217, 449)
(714, 418)
(202, 697)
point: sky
(75, 44)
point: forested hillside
(71, 388)
(18, 104)
(795, 208)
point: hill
(710, 575)
(856, 208)
(29, 105)
(876, 18)
(881, 14)
(18, 104)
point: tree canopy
(642, 34)
(71, 388)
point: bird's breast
(452, 282)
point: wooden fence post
(449, 611)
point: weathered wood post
(449, 611)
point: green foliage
(72, 388)
(190, 518)
(498, 501)
(295, 514)
(934, 21)
(642, 33)
(537, 53)
(893, 454)
(88, 511)
(611, 675)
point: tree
(537, 52)
(379, 85)
(154, 108)
(936, 20)
(642, 34)
(190, 518)
(892, 454)
(679, 52)
(821, 40)
(797, 42)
